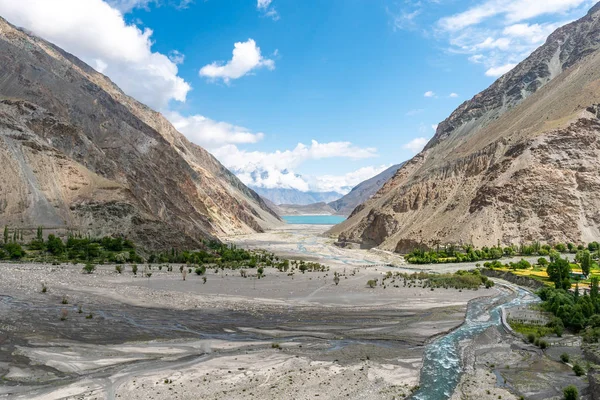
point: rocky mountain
(362, 192)
(77, 153)
(295, 196)
(518, 162)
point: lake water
(313, 219)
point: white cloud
(209, 133)
(264, 6)
(499, 71)
(429, 94)
(246, 58)
(416, 145)
(453, 95)
(176, 57)
(344, 183)
(496, 34)
(511, 10)
(405, 20)
(434, 127)
(275, 169)
(105, 40)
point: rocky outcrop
(519, 162)
(77, 153)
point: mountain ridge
(484, 177)
(59, 112)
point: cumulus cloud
(416, 145)
(499, 71)
(496, 34)
(275, 169)
(209, 133)
(246, 58)
(429, 94)
(106, 41)
(453, 95)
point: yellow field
(543, 276)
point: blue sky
(359, 84)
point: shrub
(89, 316)
(203, 279)
(14, 251)
(336, 280)
(543, 344)
(64, 313)
(119, 269)
(200, 270)
(571, 393)
(89, 268)
(578, 369)
(260, 271)
(65, 300)
(44, 288)
(372, 283)
(564, 357)
(531, 338)
(134, 269)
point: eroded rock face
(518, 162)
(77, 153)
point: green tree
(6, 235)
(55, 245)
(559, 272)
(578, 369)
(586, 262)
(14, 250)
(571, 393)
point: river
(442, 364)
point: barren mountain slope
(363, 191)
(76, 152)
(518, 162)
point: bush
(531, 338)
(200, 270)
(119, 268)
(14, 251)
(571, 393)
(134, 269)
(578, 369)
(564, 357)
(89, 268)
(372, 283)
(543, 344)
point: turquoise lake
(313, 219)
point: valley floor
(282, 336)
